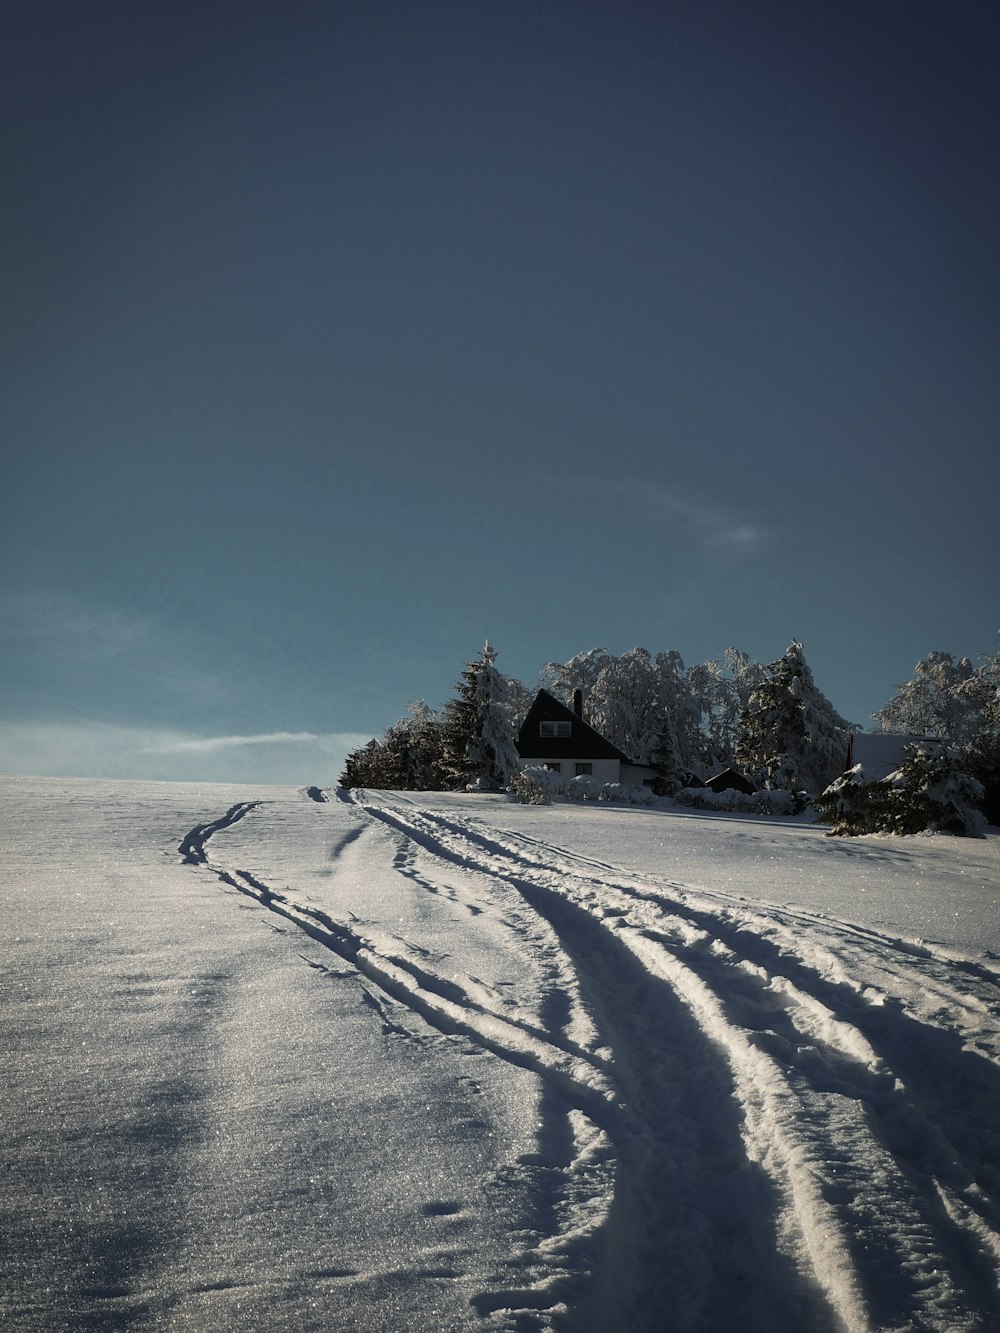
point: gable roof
(583, 742)
(729, 779)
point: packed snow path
(767, 1120)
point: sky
(338, 338)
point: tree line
(771, 721)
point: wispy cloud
(212, 744)
(708, 524)
(84, 630)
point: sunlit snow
(281, 1060)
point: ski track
(804, 1109)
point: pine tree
(957, 703)
(425, 748)
(852, 805)
(368, 766)
(792, 737)
(932, 792)
(478, 739)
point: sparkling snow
(428, 1062)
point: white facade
(603, 770)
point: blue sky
(341, 337)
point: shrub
(537, 786)
(850, 804)
(585, 787)
(932, 793)
(624, 794)
(775, 802)
(929, 793)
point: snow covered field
(429, 1062)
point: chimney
(578, 703)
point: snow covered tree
(625, 703)
(640, 703)
(932, 703)
(407, 758)
(520, 700)
(792, 737)
(683, 720)
(479, 740)
(981, 747)
(367, 766)
(720, 692)
(412, 759)
(958, 703)
(852, 805)
(932, 792)
(665, 755)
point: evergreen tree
(958, 703)
(407, 758)
(852, 805)
(399, 757)
(425, 747)
(478, 737)
(792, 737)
(930, 792)
(367, 767)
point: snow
(438, 1062)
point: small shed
(731, 779)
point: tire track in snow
(892, 1216)
(444, 1003)
(661, 1181)
(693, 1228)
(563, 1018)
(940, 1048)
(192, 847)
(770, 1125)
(662, 1139)
(574, 1075)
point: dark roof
(583, 742)
(729, 779)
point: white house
(555, 736)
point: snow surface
(428, 1062)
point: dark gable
(582, 743)
(731, 779)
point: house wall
(605, 770)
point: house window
(561, 729)
(553, 768)
(584, 770)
